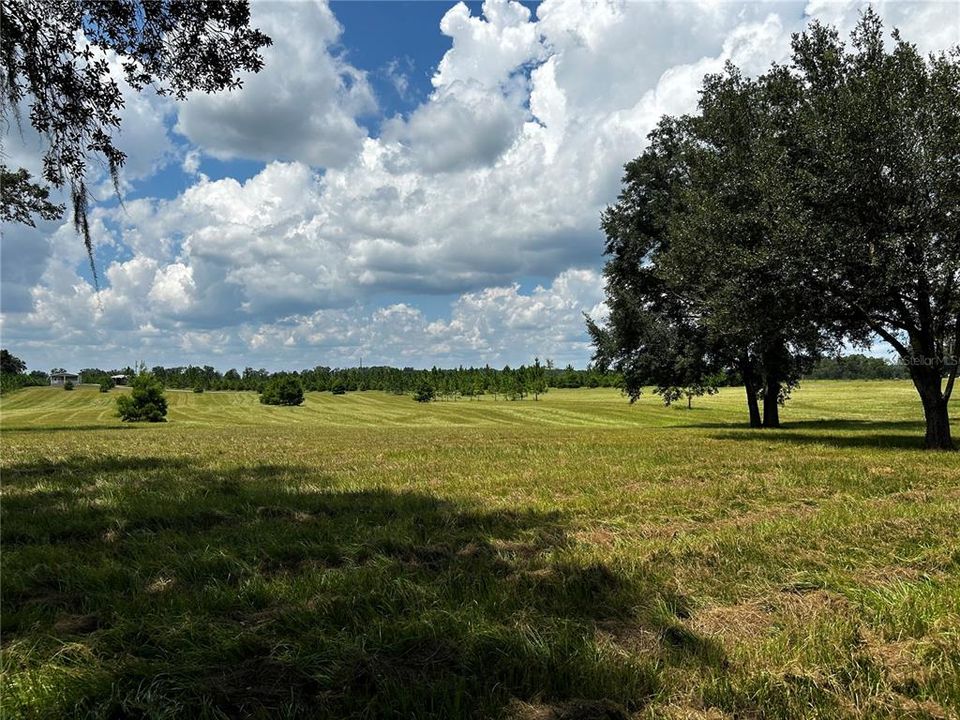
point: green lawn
(577, 557)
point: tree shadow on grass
(265, 591)
(871, 440)
(891, 434)
(821, 424)
(87, 467)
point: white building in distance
(61, 378)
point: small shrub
(285, 390)
(145, 403)
(338, 388)
(68, 385)
(425, 393)
(198, 389)
(105, 386)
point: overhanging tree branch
(72, 94)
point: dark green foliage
(878, 132)
(106, 386)
(11, 364)
(425, 393)
(673, 394)
(14, 378)
(699, 280)
(858, 367)
(146, 402)
(198, 389)
(98, 376)
(449, 383)
(282, 390)
(536, 379)
(814, 204)
(68, 385)
(514, 383)
(21, 199)
(74, 100)
(9, 383)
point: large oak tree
(879, 165)
(700, 277)
(818, 202)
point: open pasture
(577, 557)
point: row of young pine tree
(510, 383)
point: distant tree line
(14, 375)
(506, 382)
(447, 383)
(858, 367)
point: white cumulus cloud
(495, 181)
(302, 106)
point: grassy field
(366, 556)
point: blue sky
(413, 183)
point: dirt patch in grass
(898, 658)
(570, 710)
(884, 575)
(775, 513)
(925, 496)
(734, 623)
(686, 712)
(628, 636)
(516, 548)
(747, 621)
(921, 709)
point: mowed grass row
(368, 556)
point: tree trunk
(751, 387)
(935, 411)
(775, 357)
(771, 405)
